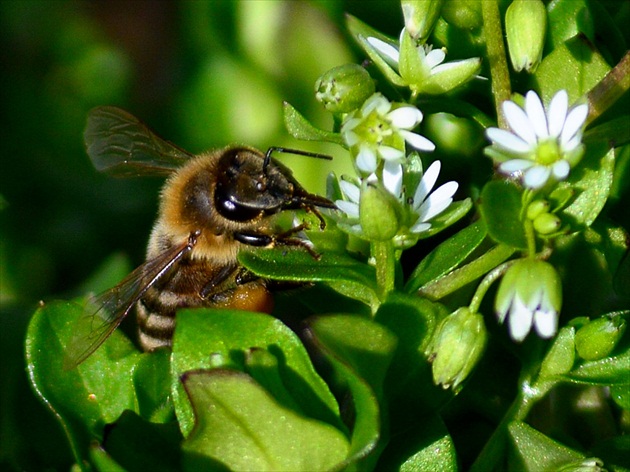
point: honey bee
(211, 206)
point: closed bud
(463, 14)
(525, 26)
(457, 346)
(536, 208)
(597, 339)
(344, 88)
(420, 17)
(378, 212)
(547, 223)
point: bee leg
(217, 280)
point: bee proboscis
(211, 206)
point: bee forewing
(118, 143)
(106, 311)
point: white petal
(574, 122)
(557, 113)
(560, 169)
(435, 57)
(366, 159)
(351, 209)
(507, 140)
(349, 124)
(438, 201)
(426, 184)
(519, 122)
(350, 190)
(515, 165)
(390, 153)
(392, 177)
(419, 142)
(376, 102)
(405, 117)
(420, 227)
(572, 143)
(546, 323)
(536, 176)
(520, 320)
(350, 137)
(385, 49)
(536, 114)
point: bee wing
(119, 144)
(106, 311)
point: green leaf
(616, 131)
(240, 426)
(364, 409)
(591, 181)
(532, 450)
(300, 128)
(89, 396)
(501, 211)
(152, 382)
(447, 256)
(136, 444)
(608, 371)
(575, 66)
(345, 274)
(208, 338)
(428, 446)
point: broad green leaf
(152, 381)
(347, 275)
(447, 256)
(615, 131)
(241, 426)
(89, 396)
(208, 338)
(567, 19)
(501, 211)
(427, 446)
(367, 347)
(608, 371)
(137, 444)
(531, 450)
(102, 461)
(591, 181)
(575, 66)
(300, 128)
(364, 412)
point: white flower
(542, 144)
(419, 66)
(378, 131)
(426, 205)
(530, 294)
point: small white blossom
(530, 294)
(420, 67)
(541, 144)
(377, 131)
(427, 205)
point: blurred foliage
(202, 74)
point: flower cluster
(541, 144)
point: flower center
(548, 152)
(374, 129)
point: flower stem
(383, 253)
(493, 35)
(485, 284)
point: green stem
(383, 253)
(499, 75)
(464, 275)
(609, 89)
(485, 284)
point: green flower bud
(536, 208)
(561, 356)
(598, 338)
(344, 88)
(525, 26)
(463, 14)
(378, 212)
(547, 223)
(420, 17)
(458, 344)
(592, 464)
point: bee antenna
(291, 151)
